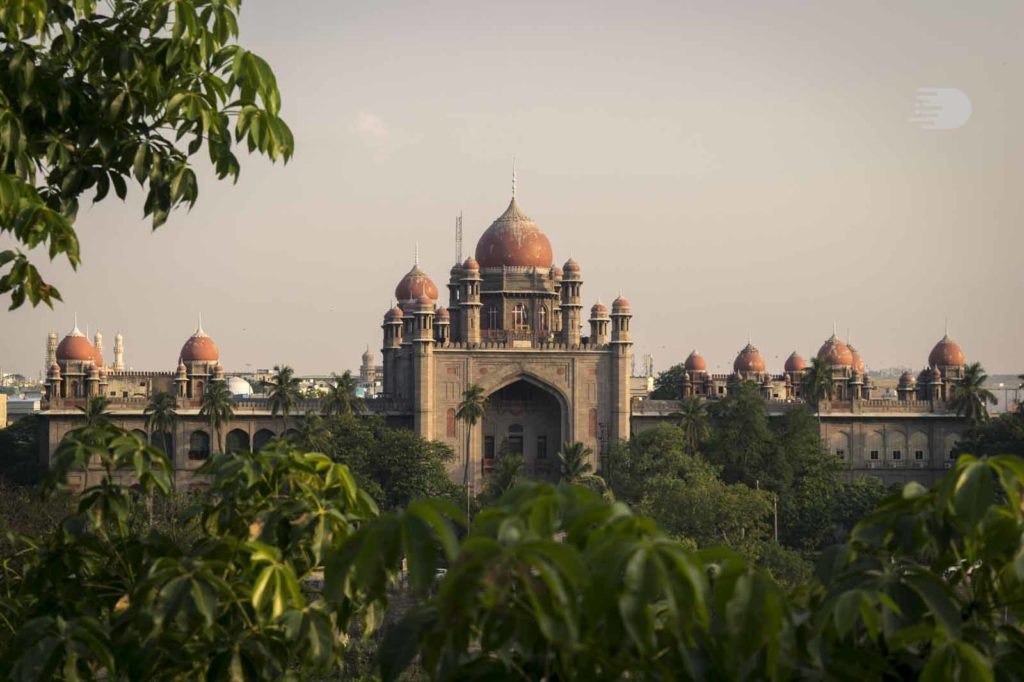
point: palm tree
(470, 411)
(95, 410)
(311, 433)
(284, 393)
(218, 407)
(341, 398)
(969, 397)
(818, 384)
(160, 417)
(575, 466)
(693, 420)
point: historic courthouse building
(551, 371)
(512, 326)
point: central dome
(513, 240)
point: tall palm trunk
(465, 473)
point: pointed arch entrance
(528, 418)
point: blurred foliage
(552, 582)
(94, 95)
(19, 450)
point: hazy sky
(734, 168)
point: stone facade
(513, 327)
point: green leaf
(974, 492)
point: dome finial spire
(834, 328)
(416, 254)
(513, 177)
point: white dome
(239, 387)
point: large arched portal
(525, 419)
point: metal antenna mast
(458, 239)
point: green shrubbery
(552, 582)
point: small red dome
(857, 361)
(55, 367)
(471, 264)
(907, 378)
(181, 367)
(76, 347)
(795, 363)
(835, 352)
(443, 313)
(598, 310)
(218, 367)
(415, 284)
(620, 303)
(200, 348)
(556, 272)
(394, 314)
(513, 240)
(749, 360)
(571, 266)
(695, 362)
(946, 353)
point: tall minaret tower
(98, 343)
(622, 359)
(572, 304)
(51, 350)
(118, 353)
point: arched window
(237, 441)
(262, 437)
(199, 445)
(492, 317)
(519, 316)
(542, 319)
(450, 422)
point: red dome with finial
(76, 347)
(416, 283)
(749, 360)
(795, 363)
(946, 353)
(199, 348)
(836, 353)
(695, 362)
(514, 240)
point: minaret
(423, 368)
(51, 350)
(622, 355)
(392, 329)
(118, 353)
(572, 303)
(98, 343)
(599, 324)
(469, 313)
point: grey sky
(733, 167)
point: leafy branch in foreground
(92, 96)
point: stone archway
(262, 437)
(524, 417)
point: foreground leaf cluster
(552, 582)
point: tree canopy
(96, 95)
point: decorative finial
(513, 177)
(834, 328)
(947, 327)
(416, 255)
(199, 329)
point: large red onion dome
(514, 240)
(416, 283)
(75, 346)
(695, 362)
(835, 352)
(200, 348)
(946, 353)
(749, 360)
(795, 363)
